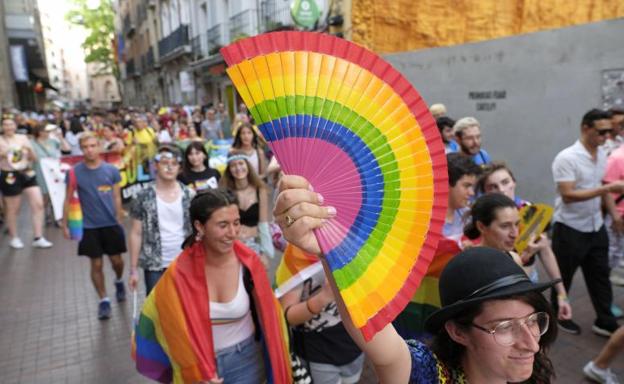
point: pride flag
(295, 267)
(411, 322)
(173, 338)
(74, 216)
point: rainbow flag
(173, 338)
(411, 322)
(295, 267)
(74, 217)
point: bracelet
(133, 271)
(286, 314)
(310, 309)
(563, 298)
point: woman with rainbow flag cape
(318, 335)
(212, 317)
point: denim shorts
(241, 363)
(332, 374)
(151, 278)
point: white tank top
(232, 321)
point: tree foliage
(100, 26)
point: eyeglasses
(507, 332)
(603, 132)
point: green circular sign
(305, 13)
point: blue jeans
(241, 363)
(151, 278)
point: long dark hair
(484, 210)
(227, 181)
(237, 140)
(204, 204)
(198, 146)
(451, 352)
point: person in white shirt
(160, 220)
(579, 235)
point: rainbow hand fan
(345, 119)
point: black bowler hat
(476, 275)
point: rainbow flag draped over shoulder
(411, 322)
(173, 338)
(295, 267)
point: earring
(199, 236)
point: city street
(49, 332)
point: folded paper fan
(534, 218)
(346, 120)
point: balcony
(196, 47)
(215, 39)
(128, 26)
(175, 44)
(144, 62)
(243, 24)
(275, 17)
(150, 62)
(130, 68)
(141, 12)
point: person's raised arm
(298, 212)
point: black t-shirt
(323, 339)
(200, 181)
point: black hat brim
(437, 319)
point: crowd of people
(208, 235)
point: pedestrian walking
(97, 183)
(160, 221)
(212, 317)
(17, 178)
(579, 236)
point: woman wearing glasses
(493, 327)
(494, 218)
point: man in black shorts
(98, 188)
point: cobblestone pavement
(49, 332)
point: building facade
(64, 56)
(404, 25)
(138, 27)
(184, 37)
(23, 72)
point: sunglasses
(168, 156)
(603, 132)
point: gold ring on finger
(289, 221)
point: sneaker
(616, 311)
(617, 276)
(120, 291)
(104, 310)
(604, 376)
(604, 329)
(41, 243)
(16, 243)
(569, 326)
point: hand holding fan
(343, 118)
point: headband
(237, 157)
(167, 155)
